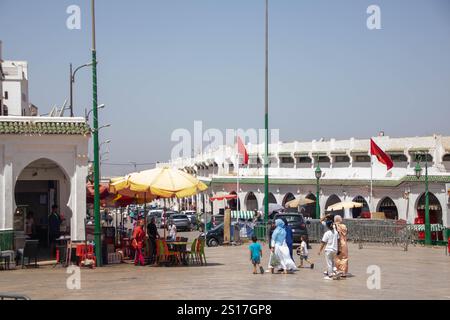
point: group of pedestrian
(140, 235)
(334, 243)
(281, 250)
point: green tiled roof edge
(44, 128)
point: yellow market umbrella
(165, 182)
(344, 205)
(298, 202)
(119, 186)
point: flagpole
(237, 180)
(371, 182)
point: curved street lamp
(418, 172)
(72, 81)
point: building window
(362, 158)
(417, 157)
(6, 95)
(398, 158)
(324, 159)
(304, 160)
(286, 160)
(446, 157)
(342, 159)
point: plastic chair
(192, 254)
(29, 251)
(168, 253)
(84, 252)
(201, 251)
(5, 256)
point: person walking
(289, 238)
(280, 249)
(255, 255)
(153, 235)
(137, 241)
(172, 232)
(341, 260)
(302, 251)
(330, 243)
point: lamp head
(318, 172)
(418, 170)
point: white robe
(284, 256)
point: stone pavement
(419, 273)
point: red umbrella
(104, 191)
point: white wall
(69, 152)
(16, 84)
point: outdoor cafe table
(179, 246)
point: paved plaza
(419, 273)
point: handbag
(134, 244)
(274, 261)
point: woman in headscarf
(280, 248)
(341, 260)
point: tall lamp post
(418, 171)
(266, 119)
(97, 230)
(318, 173)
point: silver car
(181, 221)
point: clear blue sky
(165, 63)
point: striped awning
(421, 227)
(242, 214)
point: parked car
(181, 221)
(192, 215)
(297, 223)
(157, 214)
(214, 237)
(217, 219)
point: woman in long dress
(280, 249)
(341, 261)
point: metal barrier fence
(13, 296)
(261, 231)
(366, 231)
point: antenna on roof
(63, 107)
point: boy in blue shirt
(255, 255)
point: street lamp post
(418, 172)
(97, 230)
(72, 81)
(266, 119)
(318, 173)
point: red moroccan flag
(381, 155)
(241, 150)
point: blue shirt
(255, 249)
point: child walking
(255, 255)
(302, 251)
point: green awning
(242, 214)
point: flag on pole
(381, 155)
(242, 150)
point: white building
(346, 175)
(43, 161)
(15, 88)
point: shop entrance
(38, 187)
